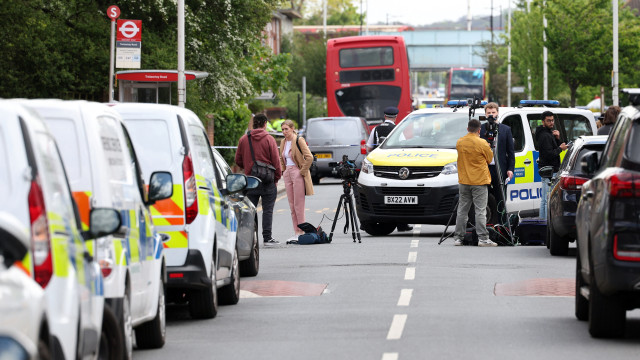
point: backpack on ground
(312, 235)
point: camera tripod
(346, 203)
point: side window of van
(575, 125)
(515, 123)
(613, 152)
(113, 150)
(135, 165)
(203, 152)
(535, 120)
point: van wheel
(111, 345)
(127, 326)
(582, 304)
(378, 229)
(558, 246)
(230, 294)
(607, 317)
(152, 334)
(203, 304)
(251, 266)
(45, 344)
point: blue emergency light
(548, 103)
(460, 103)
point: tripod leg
(354, 221)
(335, 219)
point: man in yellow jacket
(474, 154)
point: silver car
(330, 138)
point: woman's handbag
(263, 171)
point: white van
(36, 192)
(103, 171)
(201, 251)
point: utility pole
(545, 55)
(324, 18)
(528, 69)
(468, 15)
(491, 25)
(182, 88)
(367, 22)
(508, 57)
(615, 54)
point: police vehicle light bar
(548, 103)
(460, 103)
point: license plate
(405, 200)
(323, 156)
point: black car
(565, 193)
(608, 231)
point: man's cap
(391, 111)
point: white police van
(412, 177)
(202, 251)
(104, 171)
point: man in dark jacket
(266, 150)
(549, 147)
(505, 154)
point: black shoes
(404, 227)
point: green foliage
(229, 125)
(339, 12)
(309, 60)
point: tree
(339, 12)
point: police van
(36, 192)
(413, 177)
(202, 252)
(104, 171)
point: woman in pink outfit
(296, 159)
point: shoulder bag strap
(253, 157)
(297, 143)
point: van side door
(522, 188)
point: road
(402, 296)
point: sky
(422, 12)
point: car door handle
(527, 162)
(587, 195)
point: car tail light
(42, 261)
(190, 189)
(363, 147)
(572, 182)
(624, 185)
(626, 246)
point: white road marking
(410, 273)
(397, 326)
(390, 356)
(416, 230)
(414, 243)
(405, 297)
(413, 256)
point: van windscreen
(152, 144)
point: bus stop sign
(113, 12)
(129, 30)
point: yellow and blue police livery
(412, 177)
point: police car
(413, 177)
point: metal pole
(111, 57)
(182, 91)
(615, 54)
(528, 70)
(468, 15)
(304, 100)
(324, 18)
(545, 88)
(367, 25)
(508, 57)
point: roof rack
(461, 103)
(545, 103)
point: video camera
(346, 169)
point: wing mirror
(253, 182)
(102, 222)
(160, 186)
(546, 172)
(236, 183)
(589, 162)
(15, 240)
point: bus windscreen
(468, 77)
(362, 57)
(368, 101)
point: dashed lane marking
(405, 297)
(397, 326)
(390, 356)
(410, 273)
(416, 230)
(414, 243)
(413, 256)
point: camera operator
(504, 153)
(474, 154)
(550, 146)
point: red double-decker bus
(366, 74)
(465, 83)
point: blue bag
(312, 235)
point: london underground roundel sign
(129, 30)
(113, 12)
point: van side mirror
(253, 182)
(236, 183)
(15, 240)
(102, 222)
(589, 163)
(160, 186)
